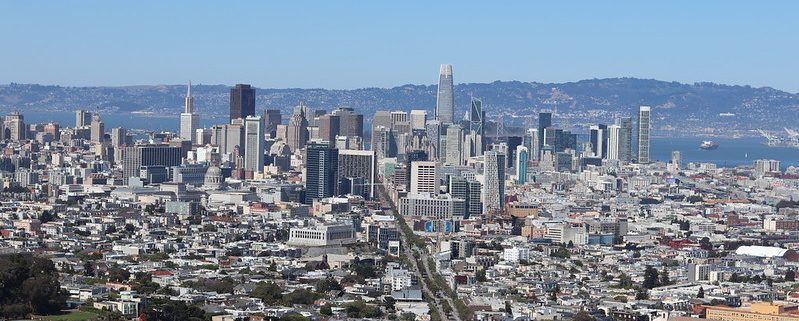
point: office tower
(614, 142)
(354, 165)
(643, 134)
(598, 138)
(467, 190)
(189, 121)
(454, 146)
(530, 141)
(425, 177)
(445, 98)
(97, 128)
(410, 158)
(297, 130)
(494, 181)
(383, 142)
(15, 128)
(118, 136)
(522, 154)
(433, 131)
(53, 129)
(227, 137)
(242, 101)
(418, 119)
(765, 166)
(321, 165)
(254, 143)
(272, 118)
(351, 124)
(82, 118)
(477, 123)
(329, 127)
(563, 162)
(625, 138)
(134, 157)
(544, 122)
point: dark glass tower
(544, 121)
(321, 171)
(242, 101)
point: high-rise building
(445, 99)
(544, 122)
(134, 157)
(321, 166)
(227, 137)
(410, 158)
(354, 165)
(530, 140)
(189, 121)
(643, 134)
(614, 142)
(272, 118)
(599, 137)
(351, 124)
(522, 154)
(297, 130)
(418, 118)
(255, 144)
(454, 146)
(383, 142)
(329, 127)
(118, 136)
(242, 101)
(425, 177)
(625, 138)
(477, 123)
(15, 129)
(494, 177)
(97, 129)
(82, 118)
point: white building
(441, 206)
(516, 254)
(254, 143)
(425, 177)
(189, 121)
(322, 235)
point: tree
(389, 302)
(327, 284)
(480, 275)
(508, 308)
(650, 277)
(701, 293)
(664, 277)
(300, 296)
(642, 294)
(790, 276)
(407, 316)
(46, 216)
(268, 292)
(88, 268)
(118, 274)
(326, 309)
(583, 316)
(734, 277)
(165, 309)
(29, 284)
(625, 281)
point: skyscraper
(643, 134)
(359, 164)
(297, 135)
(118, 136)
(544, 122)
(454, 146)
(477, 124)
(494, 177)
(15, 128)
(242, 101)
(329, 127)
(272, 118)
(614, 142)
(321, 166)
(254, 143)
(425, 177)
(625, 138)
(522, 154)
(530, 140)
(418, 119)
(350, 123)
(148, 155)
(82, 118)
(445, 99)
(599, 137)
(189, 121)
(97, 129)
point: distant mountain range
(705, 107)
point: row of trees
(29, 284)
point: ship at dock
(709, 145)
(774, 139)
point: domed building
(214, 179)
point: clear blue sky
(353, 44)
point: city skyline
(642, 40)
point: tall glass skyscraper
(242, 101)
(643, 134)
(625, 139)
(522, 154)
(544, 122)
(445, 99)
(321, 171)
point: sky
(357, 44)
